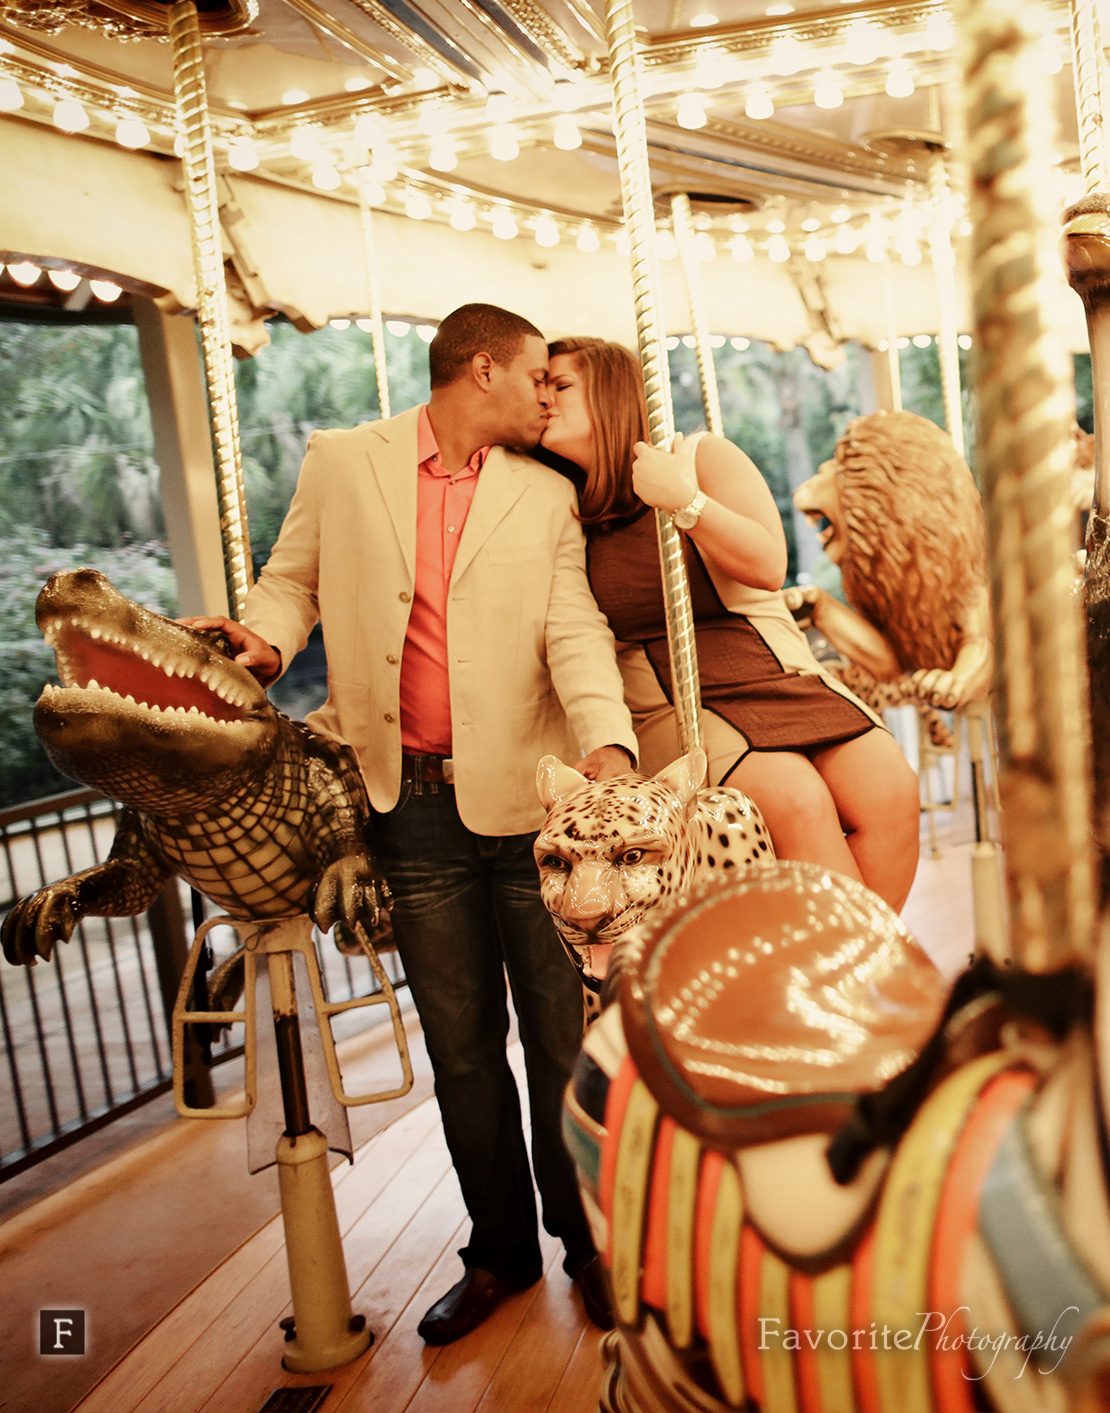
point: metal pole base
(324, 1332)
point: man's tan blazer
(532, 662)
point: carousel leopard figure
(610, 851)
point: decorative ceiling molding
(416, 44)
(318, 16)
(542, 30)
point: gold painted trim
(777, 1362)
(682, 1203)
(724, 1270)
(634, 1154)
(411, 41)
(544, 33)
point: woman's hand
(667, 480)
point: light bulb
(939, 34)
(383, 164)
(567, 136)
(775, 226)
(875, 252)
(132, 132)
(778, 250)
(846, 241)
(304, 144)
(910, 252)
(758, 104)
(366, 325)
(367, 130)
(717, 340)
(11, 97)
(840, 215)
(964, 340)
(774, 11)
(922, 340)
(24, 273)
(588, 240)
(815, 249)
(903, 343)
(673, 342)
(740, 344)
(787, 56)
(666, 247)
(811, 223)
(442, 157)
(741, 248)
(426, 332)
(862, 43)
(434, 120)
(423, 77)
(397, 327)
(105, 291)
(373, 193)
(499, 107)
(710, 69)
(339, 323)
(689, 341)
(703, 20)
(242, 155)
(417, 206)
(691, 111)
(65, 280)
(463, 216)
(827, 92)
(503, 144)
(504, 224)
(705, 248)
(357, 83)
(70, 116)
(899, 82)
(547, 232)
(325, 177)
(294, 95)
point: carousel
(819, 1178)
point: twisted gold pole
(893, 364)
(632, 158)
(377, 337)
(208, 264)
(944, 276)
(1088, 61)
(695, 297)
(1025, 457)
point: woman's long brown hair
(613, 386)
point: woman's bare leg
(798, 808)
(876, 796)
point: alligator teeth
(92, 685)
(193, 711)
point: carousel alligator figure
(263, 816)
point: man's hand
(605, 762)
(251, 651)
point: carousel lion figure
(898, 511)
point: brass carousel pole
(377, 335)
(632, 157)
(208, 264)
(695, 297)
(1025, 456)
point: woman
(831, 782)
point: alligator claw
(346, 891)
(38, 923)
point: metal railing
(86, 1036)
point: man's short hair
(473, 329)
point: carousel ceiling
(804, 133)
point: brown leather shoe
(464, 1307)
(593, 1286)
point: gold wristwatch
(687, 516)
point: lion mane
(915, 553)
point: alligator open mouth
(96, 659)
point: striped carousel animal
(823, 1180)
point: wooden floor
(177, 1255)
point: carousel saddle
(759, 1035)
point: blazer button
(389, 657)
(389, 716)
(404, 597)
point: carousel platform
(176, 1253)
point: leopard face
(609, 851)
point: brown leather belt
(430, 770)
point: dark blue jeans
(466, 910)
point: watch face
(686, 518)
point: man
(447, 569)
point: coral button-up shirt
(442, 503)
